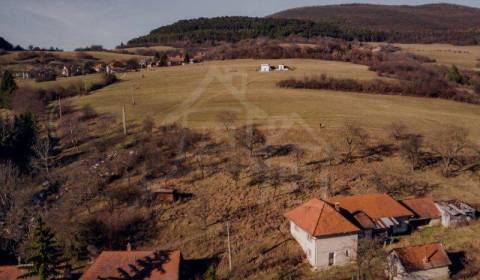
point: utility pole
(124, 119)
(229, 248)
(60, 105)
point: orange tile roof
(319, 218)
(423, 207)
(423, 257)
(9, 272)
(164, 265)
(376, 206)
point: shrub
(148, 124)
(477, 87)
(88, 112)
(84, 55)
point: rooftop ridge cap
(318, 219)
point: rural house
(265, 68)
(326, 237)
(162, 265)
(375, 214)
(425, 210)
(455, 212)
(428, 261)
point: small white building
(282, 67)
(456, 212)
(327, 238)
(265, 68)
(428, 261)
(66, 71)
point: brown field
(106, 57)
(466, 57)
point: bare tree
(397, 130)
(228, 119)
(234, 168)
(9, 176)
(250, 137)
(299, 154)
(449, 144)
(410, 150)
(352, 139)
(72, 130)
(42, 149)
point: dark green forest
(234, 29)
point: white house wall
(317, 249)
(307, 244)
(344, 249)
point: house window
(331, 258)
(347, 253)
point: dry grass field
(106, 57)
(155, 48)
(466, 57)
(262, 249)
(195, 94)
(86, 80)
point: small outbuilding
(428, 261)
(164, 194)
(265, 68)
(456, 212)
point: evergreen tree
(164, 60)
(454, 75)
(44, 254)
(7, 87)
(186, 59)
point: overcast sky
(70, 23)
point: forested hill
(5, 45)
(391, 17)
(233, 29)
(433, 23)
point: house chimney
(337, 206)
(129, 247)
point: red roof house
(429, 261)
(162, 265)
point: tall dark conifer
(44, 254)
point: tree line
(234, 29)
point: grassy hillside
(196, 93)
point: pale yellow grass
(463, 56)
(155, 48)
(86, 80)
(194, 94)
(106, 57)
